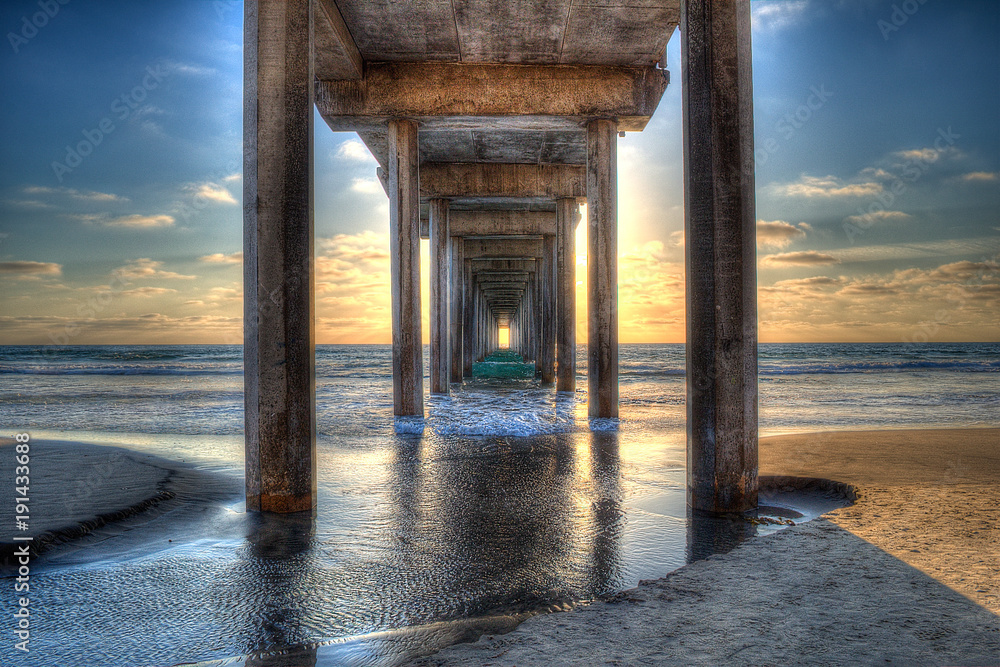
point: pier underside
(491, 123)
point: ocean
(507, 503)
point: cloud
(778, 233)
(145, 267)
(982, 176)
(213, 192)
(147, 291)
(83, 195)
(27, 268)
(929, 155)
(773, 16)
(827, 187)
(191, 69)
(220, 258)
(354, 150)
(232, 178)
(877, 216)
(134, 221)
(803, 258)
(28, 203)
(368, 186)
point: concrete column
(440, 369)
(457, 309)
(567, 216)
(548, 292)
(468, 320)
(278, 349)
(602, 268)
(404, 248)
(721, 255)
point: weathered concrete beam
(507, 248)
(497, 223)
(336, 56)
(425, 91)
(547, 322)
(721, 255)
(278, 350)
(404, 251)
(460, 179)
(602, 269)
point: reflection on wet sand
(487, 529)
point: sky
(877, 133)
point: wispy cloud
(803, 258)
(778, 233)
(368, 186)
(221, 258)
(827, 187)
(144, 268)
(84, 195)
(982, 176)
(772, 16)
(137, 221)
(213, 192)
(877, 216)
(28, 268)
(354, 150)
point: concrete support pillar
(567, 216)
(721, 255)
(278, 350)
(457, 299)
(440, 368)
(404, 248)
(548, 294)
(468, 320)
(602, 268)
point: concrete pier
(518, 121)
(404, 258)
(457, 302)
(440, 370)
(602, 268)
(278, 347)
(567, 218)
(721, 256)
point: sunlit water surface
(507, 502)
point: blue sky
(878, 180)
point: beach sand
(909, 575)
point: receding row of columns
(278, 262)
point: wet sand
(909, 575)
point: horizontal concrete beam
(463, 179)
(334, 51)
(498, 223)
(493, 264)
(425, 91)
(505, 249)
